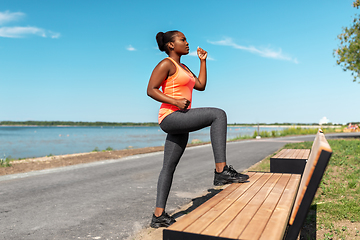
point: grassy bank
(286, 132)
(76, 124)
(334, 213)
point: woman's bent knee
(220, 113)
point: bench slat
(217, 226)
(210, 216)
(284, 153)
(306, 154)
(294, 153)
(279, 153)
(234, 229)
(198, 212)
(260, 219)
(276, 225)
(303, 154)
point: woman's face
(180, 45)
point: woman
(177, 119)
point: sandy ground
(33, 164)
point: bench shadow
(197, 202)
(308, 232)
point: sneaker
(229, 175)
(162, 221)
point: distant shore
(229, 125)
(296, 126)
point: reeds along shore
(289, 131)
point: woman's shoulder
(166, 63)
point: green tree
(348, 53)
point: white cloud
(324, 120)
(9, 17)
(194, 54)
(130, 48)
(263, 52)
(18, 31)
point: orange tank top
(179, 85)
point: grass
(5, 161)
(335, 208)
(285, 132)
(96, 149)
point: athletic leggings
(177, 125)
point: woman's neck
(175, 57)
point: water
(23, 142)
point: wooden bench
(267, 206)
(289, 161)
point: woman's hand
(202, 54)
(182, 103)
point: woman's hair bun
(160, 41)
(163, 38)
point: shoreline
(237, 125)
(194, 141)
(47, 162)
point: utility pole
(258, 132)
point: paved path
(112, 199)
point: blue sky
(269, 61)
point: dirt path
(33, 164)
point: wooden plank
(285, 153)
(198, 212)
(294, 153)
(290, 154)
(279, 153)
(207, 218)
(276, 225)
(301, 153)
(234, 229)
(218, 225)
(257, 224)
(306, 154)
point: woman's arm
(200, 82)
(164, 69)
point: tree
(348, 53)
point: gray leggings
(177, 125)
